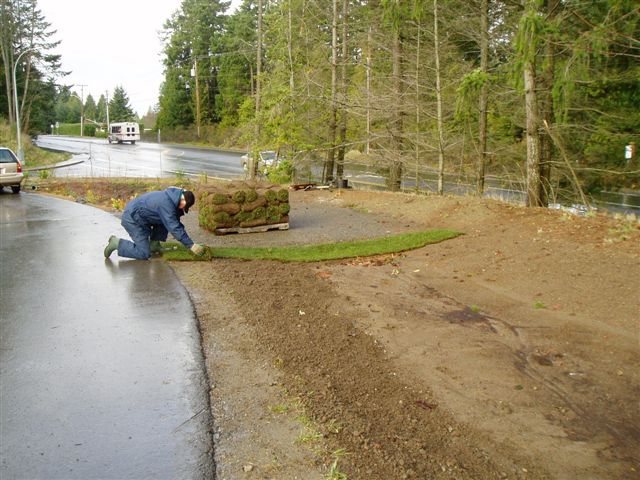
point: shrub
(282, 173)
(117, 204)
(68, 129)
(91, 197)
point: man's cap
(190, 198)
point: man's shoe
(155, 247)
(112, 246)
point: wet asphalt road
(101, 372)
(144, 159)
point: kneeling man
(149, 218)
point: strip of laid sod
(316, 253)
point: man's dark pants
(141, 235)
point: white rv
(124, 132)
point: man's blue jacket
(160, 208)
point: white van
(124, 132)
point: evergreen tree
(90, 108)
(119, 109)
(67, 107)
(150, 118)
(391, 100)
(236, 68)
(192, 46)
(176, 108)
(42, 112)
(101, 110)
(25, 35)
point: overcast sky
(111, 43)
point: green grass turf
(316, 253)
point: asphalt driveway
(101, 370)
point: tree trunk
(253, 170)
(259, 58)
(290, 49)
(397, 127)
(6, 48)
(26, 120)
(439, 100)
(417, 141)
(484, 95)
(197, 97)
(7, 61)
(342, 135)
(368, 107)
(25, 108)
(533, 137)
(251, 79)
(333, 120)
(546, 143)
(25, 89)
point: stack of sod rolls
(242, 205)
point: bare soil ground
(509, 352)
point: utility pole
(107, 105)
(195, 71)
(81, 109)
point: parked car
(10, 170)
(268, 158)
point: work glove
(197, 249)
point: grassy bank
(33, 156)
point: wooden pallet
(303, 186)
(260, 229)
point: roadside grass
(34, 156)
(334, 473)
(279, 408)
(312, 434)
(316, 253)
(37, 157)
(537, 304)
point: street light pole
(107, 105)
(197, 96)
(81, 107)
(15, 98)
